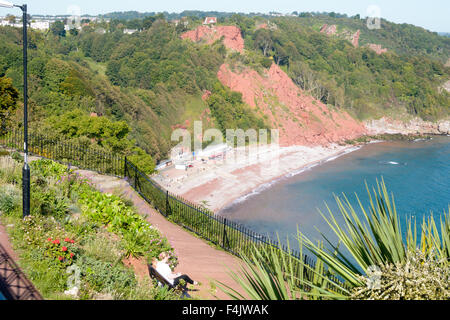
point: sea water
(417, 173)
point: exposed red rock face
(206, 95)
(262, 26)
(329, 30)
(301, 119)
(332, 30)
(232, 36)
(206, 115)
(355, 39)
(377, 48)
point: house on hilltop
(210, 20)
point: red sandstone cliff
(355, 38)
(377, 48)
(302, 120)
(231, 34)
(332, 30)
(329, 30)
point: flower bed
(78, 237)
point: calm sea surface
(417, 173)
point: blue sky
(430, 14)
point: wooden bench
(156, 275)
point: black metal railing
(83, 157)
(227, 234)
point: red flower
(64, 249)
(71, 255)
(71, 241)
(60, 258)
(67, 240)
(49, 239)
(56, 241)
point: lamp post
(26, 167)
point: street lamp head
(6, 4)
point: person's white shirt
(164, 270)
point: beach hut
(164, 164)
(213, 151)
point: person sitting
(163, 268)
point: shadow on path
(14, 285)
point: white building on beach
(213, 151)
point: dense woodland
(142, 85)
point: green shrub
(45, 274)
(48, 168)
(10, 171)
(9, 198)
(48, 202)
(103, 276)
(138, 238)
(17, 156)
(102, 247)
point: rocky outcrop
(206, 95)
(329, 30)
(377, 48)
(355, 38)
(301, 119)
(332, 30)
(414, 126)
(232, 37)
(262, 26)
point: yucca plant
(373, 242)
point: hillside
(400, 38)
(130, 91)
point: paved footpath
(197, 259)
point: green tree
(57, 29)
(8, 102)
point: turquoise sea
(417, 173)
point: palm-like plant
(375, 241)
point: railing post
(167, 203)
(135, 179)
(125, 168)
(168, 208)
(224, 232)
